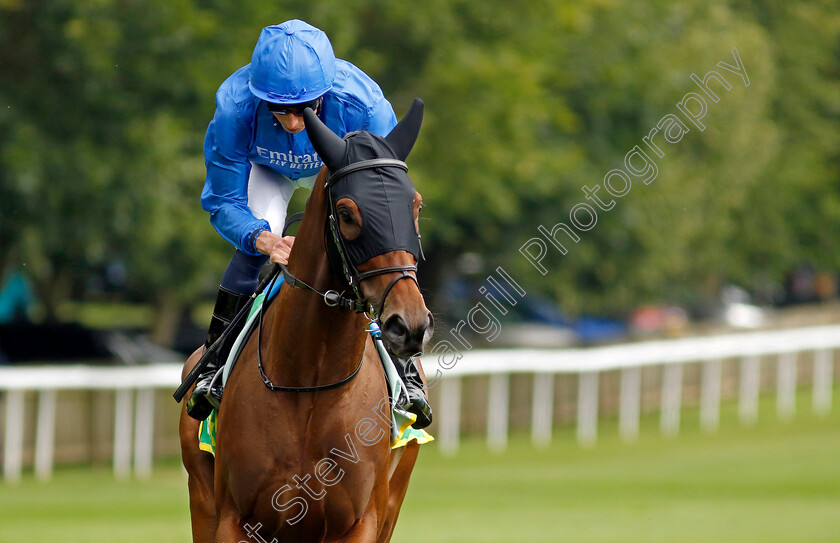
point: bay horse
(311, 459)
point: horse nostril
(402, 339)
(395, 329)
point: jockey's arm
(225, 193)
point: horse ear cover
(330, 147)
(404, 135)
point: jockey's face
(291, 122)
(290, 116)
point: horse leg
(230, 530)
(200, 468)
(369, 525)
(364, 531)
(398, 486)
(368, 529)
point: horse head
(372, 233)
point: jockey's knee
(242, 274)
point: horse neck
(312, 342)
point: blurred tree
(795, 213)
(101, 145)
(663, 241)
(105, 104)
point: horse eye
(345, 215)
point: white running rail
(135, 386)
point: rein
(331, 297)
(265, 379)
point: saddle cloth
(401, 420)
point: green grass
(770, 483)
(83, 504)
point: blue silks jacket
(243, 131)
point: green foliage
(103, 108)
(102, 145)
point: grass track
(770, 483)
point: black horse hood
(384, 194)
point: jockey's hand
(276, 247)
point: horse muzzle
(406, 336)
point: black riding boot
(204, 397)
(419, 405)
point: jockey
(257, 153)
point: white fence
(141, 382)
(126, 381)
(630, 359)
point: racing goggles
(294, 109)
